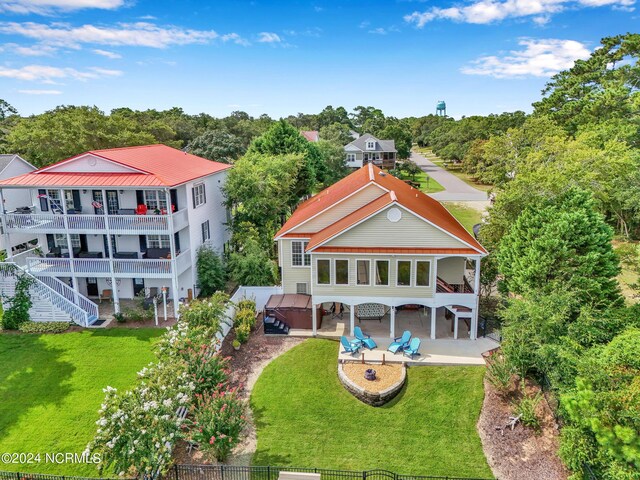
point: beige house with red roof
(375, 245)
(114, 223)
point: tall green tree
(562, 243)
(218, 145)
(400, 133)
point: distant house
(311, 135)
(369, 149)
(12, 165)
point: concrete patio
(443, 350)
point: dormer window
(371, 145)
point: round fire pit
(370, 374)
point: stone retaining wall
(375, 399)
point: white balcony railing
(100, 267)
(119, 224)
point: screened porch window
(363, 273)
(382, 272)
(423, 273)
(323, 269)
(404, 273)
(342, 272)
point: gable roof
(153, 166)
(360, 143)
(311, 135)
(397, 191)
(7, 158)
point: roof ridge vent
(393, 195)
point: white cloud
(269, 37)
(106, 53)
(490, 11)
(140, 34)
(539, 58)
(378, 31)
(46, 7)
(40, 92)
(38, 50)
(49, 74)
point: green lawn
(427, 184)
(51, 389)
(306, 418)
(467, 216)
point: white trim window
(371, 145)
(206, 233)
(403, 273)
(158, 241)
(423, 273)
(155, 199)
(60, 240)
(298, 254)
(341, 271)
(323, 271)
(351, 157)
(363, 272)
(382, 273)
(199, 195)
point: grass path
(465, 177)
(305, 418)
(51, 389)
(467, 216)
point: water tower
(441, 108)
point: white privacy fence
(259, 294)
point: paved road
(455, 190)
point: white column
(392, 318)
(114, 284)
(74, 280)
(314, 319)
(476, 289)
(352, 319)
(433, 322)
(5, 232)
(455, 326)
(172, 245)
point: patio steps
(272, 326)
(41, 309)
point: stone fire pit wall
(375, 399)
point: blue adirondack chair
(349, 346)
(413, 347)
(400, 342)
(365, 339)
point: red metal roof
(158, 166)
(407, 196)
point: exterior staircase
(53, 300)
(273, 326)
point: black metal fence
(489, 326)
(229, 472)
(43, 476)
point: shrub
(247, 304)
(206, 312)
(245, 316)
(526, 407)
(217, 422)
(120, 317)
(44, 327)
(208, 370)
(242, 332)
(19, 304)
(210, 270)
(500, 373)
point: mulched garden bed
(521, 453)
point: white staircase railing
(44, 291)
(70, 294)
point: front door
(113, 205)
(92, 287)
(138, 286)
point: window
(423, 273)
(199, 196)
(371, 145)
(298, 255)
(60, 240)
(342, 272)
(301, 288)
(323, 269)
(404, 273)
(206, 234)
(351, 157)
(158, 241)
(382, 272)
(363, 272)
(155, 200)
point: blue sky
(288, 56)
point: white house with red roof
(117, 222)
(371, 247)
